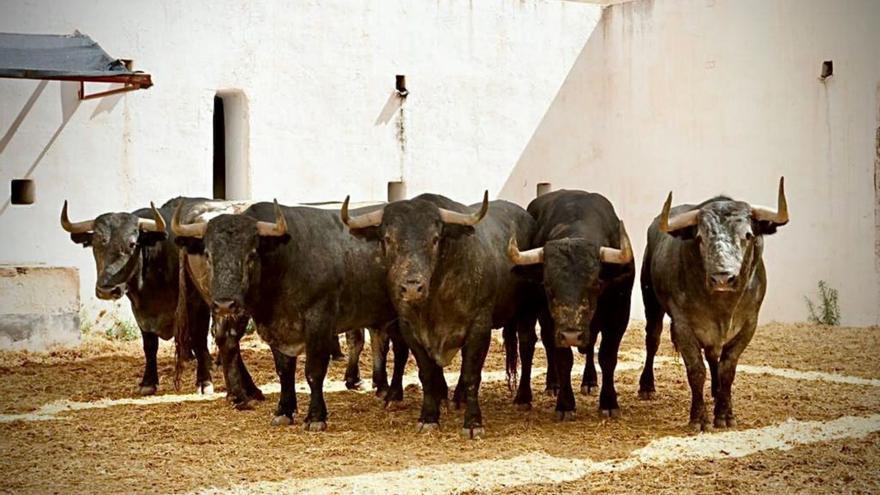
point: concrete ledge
(39, 307)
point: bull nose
(108, 292)
(570, 338)
(225, 306)
(723, 280)
(412, 290)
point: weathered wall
(722, 96)
(318, 78)
(31, 319)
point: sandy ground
(181, 447)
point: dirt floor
(191, 446)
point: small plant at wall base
(827, 310)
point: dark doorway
(219, 149)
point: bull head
(571, 272)
(116, 240)
(231, 245)
(729, 234)
(410, 233)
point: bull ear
(456, 231)
(685, 233)
(531, 273)
(85, 238)
(149, 238)
(193, 245)
(366, 233)
(270, 243)
(763, 227)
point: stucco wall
(723, 96)
(318, 77)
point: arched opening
(231, 164)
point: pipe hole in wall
(543, 188)
(24, 192)
(827, 69)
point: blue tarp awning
(74, 57)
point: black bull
(703, 266)
(583, 261)
(450, 282)
(302, 279)
(135, 257)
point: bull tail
(511, 355)
(182, 338)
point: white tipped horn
(620, 256)
(469, 219)
(75, 227)
(196, 230)
(530, 257)
(778, 216)
(276, 229)
(677, 222)
(371, 219)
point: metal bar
(84, 96)
(143, 81)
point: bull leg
(689, 348)
(473, 356)
(712, 358)
(200, 318)
(611, 337)
(150, 381)
(317, 361)
(653, 329)
(564, 360)
(724, 416)
(379, 347)
(285, 366)
(401, 354)
(590, 381)
(227, 339)
(547, 338)
(354, 340)
(253, 392)
(527, 341)
(429, 418)
(336, 351)
(459, 396)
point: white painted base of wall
(39, 307)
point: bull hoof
(381, 392)
(473, 433)
(205, 388)
(589, 389)
(282, 420)
(698, 426)
(147, 390)
(315, 426)
(256, 395)
(721, 422)
(243, 405)
(610, 413)
(358, 385)
(523, 406)
(427, 427)
(394, 405)
(562, 416)
(647, 394)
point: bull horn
(778, 216)
(155, 225)
(75, 227)
(371, 219)
(530, 257)
(276, 229)
(620, 256)
(677, 222)
(469, 219)
(196, 230)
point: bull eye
(435, 240)
(132, 244)
(749, 236)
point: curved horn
(620, 256)
(530, 257)
(778, 216)
(186, 230)
(77, 227)
(276, 229)
(469, 219)
(371, 219)
(155, 225)
(681, 221)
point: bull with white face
(136, 258)
(703, 267)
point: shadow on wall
(69, 97)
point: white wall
(722, 96)
(318, 77)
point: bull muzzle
(571, 338)
(109, 292)
(413, 290)
(723, 281)
(227, 307)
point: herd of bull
(434, 277)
